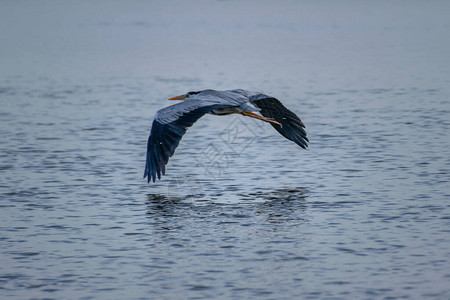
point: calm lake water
(364, 213)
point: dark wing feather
(165, 137)
(293, 127)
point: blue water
(364, 213)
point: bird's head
(183, 97)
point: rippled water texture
(242, 213)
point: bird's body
(171, 123)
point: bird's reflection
(276, 206)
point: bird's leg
(253, 115)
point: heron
(171, 123)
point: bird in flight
(171, 123)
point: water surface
(242, 213)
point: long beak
(181, 97)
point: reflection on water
(276, 206)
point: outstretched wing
(292, 127)
(169, 126)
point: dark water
(362, 214)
